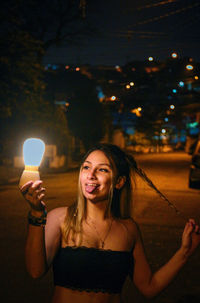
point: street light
(189, 67)
(128, 86)
(132, 83)
(172, 106)
(174, 55)
(113, 98)
(136, 111)
(181, 84)
(150, 59)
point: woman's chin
(95, 198)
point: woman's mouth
(91, 187)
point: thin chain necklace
(102, 240)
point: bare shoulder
(57, 214)
(131, 226)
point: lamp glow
(33, 151)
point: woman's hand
(34, 193)
(190, 237)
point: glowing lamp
(174, 55)
(33, 151)
(113, 98)
(150, 59)
(189, 67)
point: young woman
(94, 244)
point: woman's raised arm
(150, 284)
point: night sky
(134, 30)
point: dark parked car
(194, 175)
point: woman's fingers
(195, 226)
(24, 189)
(38, 192)
(35, 186)
(34, 193)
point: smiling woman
(94, 244)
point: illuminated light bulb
(189, 67)
(181, 84)
(174, 55)
(150, 59)
(33, 151)
(113, 98)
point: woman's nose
(91, 174)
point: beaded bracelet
(37, 221)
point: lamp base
(29, 175)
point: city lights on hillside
(181, 84)
(113, 98)
(136, 111)
(174, 55)
(189, 67)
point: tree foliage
(28, 29)
(85, 114)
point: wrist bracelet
(37, 221)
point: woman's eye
(103, 170)
(85, 167)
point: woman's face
(96, 177)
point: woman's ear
(120, 182)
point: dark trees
(28, 29)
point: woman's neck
(96, 211)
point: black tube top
(91, 269)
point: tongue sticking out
(90, 188)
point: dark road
(161, 228)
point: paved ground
(161, 229)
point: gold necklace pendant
(102, 241)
